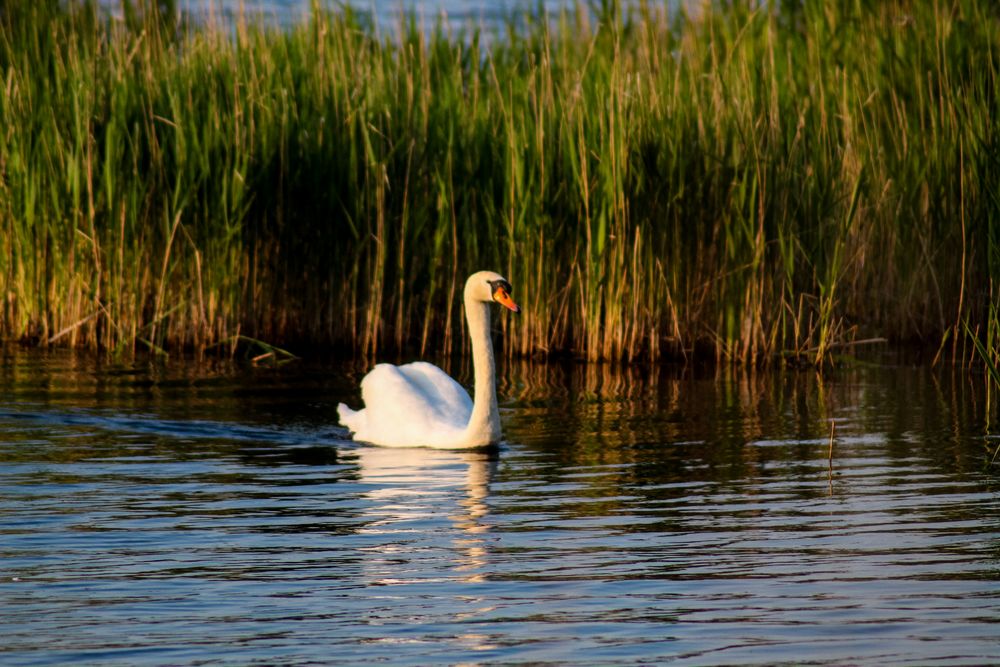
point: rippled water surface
(216, 514)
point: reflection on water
(183, 514)
(410, 487)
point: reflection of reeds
(742, 183)
(833, 428)
(987, 349)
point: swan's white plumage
(414, 405)
(419, 405)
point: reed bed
(746, 183)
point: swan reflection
(425, 504)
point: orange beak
(501, 297)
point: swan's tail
(354, 420)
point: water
(458, 16)
(190, 515)
(460, 13)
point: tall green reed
(747, 183)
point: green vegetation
(750, 184)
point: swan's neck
(484, 425)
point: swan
(419, 405)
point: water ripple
(157, 531)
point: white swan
(419, 405)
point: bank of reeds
(746, 182)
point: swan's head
(488, 286)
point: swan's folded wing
(406, 407)
(448, 396)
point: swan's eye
(500, 288)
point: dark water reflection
(196, 514)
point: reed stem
(746, 183)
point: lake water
(457, 15)
(388, 11)
(190, 515)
